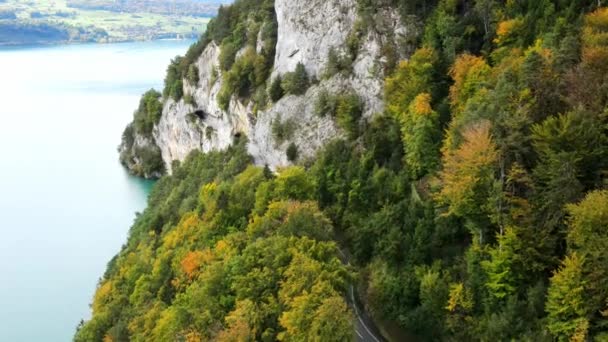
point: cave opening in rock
(200, 114)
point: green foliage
(282, 130)
(276, 90)
(292, 152)
(143, 159)
(455, 205)
(227, 55)
(567, 312)
(148, 113)
(245, 75)
(193, 74)
(296, 82)
(337, 64)
(325, 104)
(421, 136)
(199, 264)
(348, 113)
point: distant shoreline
(77, 42)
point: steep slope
(473, 208)
(307, 33)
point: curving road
(365, 329)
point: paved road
(365, 329)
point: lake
(66, 204)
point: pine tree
(566, 307)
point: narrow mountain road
(365, 328)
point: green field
(101, 25)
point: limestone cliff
(308, 30)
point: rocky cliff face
(307, 31)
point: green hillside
(49, 21)
(475, 207)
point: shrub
(192, 76)
(296, 82)
(227, 55)
(292, 152)
(176, 90)
(224, 97)
(189, 99)
(348, 113)
(246, 74)
(276, 90)
(282, 130)
(148, 113)
(325, 104)
(151, 161)
(260, 98)
(214, 76)
(353, 41)
(337, 63)
(173, 77)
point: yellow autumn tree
(469, 73)
(420, 135)
(468, 171)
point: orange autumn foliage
(468, 73)
(506, 30)
(192, 262)
(102, 295)
(595, 40)
(422, 104)
(468, 170)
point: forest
(475, 207)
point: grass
(119, 26)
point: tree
(485, 9)
(460, 308)
(292, 152)
(296, 82)
(566, 308)
(333, 321)
(293, 183)
(470, 73)
(504, 267)
(588, 238)
(410, 79)
(276, 90)
(468, 176)
(192, 75)
(420, 127)
(571, 149)
(348, 114)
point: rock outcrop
(307, 31)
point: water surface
(66, 204)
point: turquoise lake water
(66, 204)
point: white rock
(307, 30)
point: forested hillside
(475, 207)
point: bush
(353, 41)
(325, 104)
(248, 73)
(292, 152)
(296, 82)
(337, 63)
(348, 113)
(148, 113)
(151, 161)
(227, 55)
(192, 76)
(276, 90)
(282, 130)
